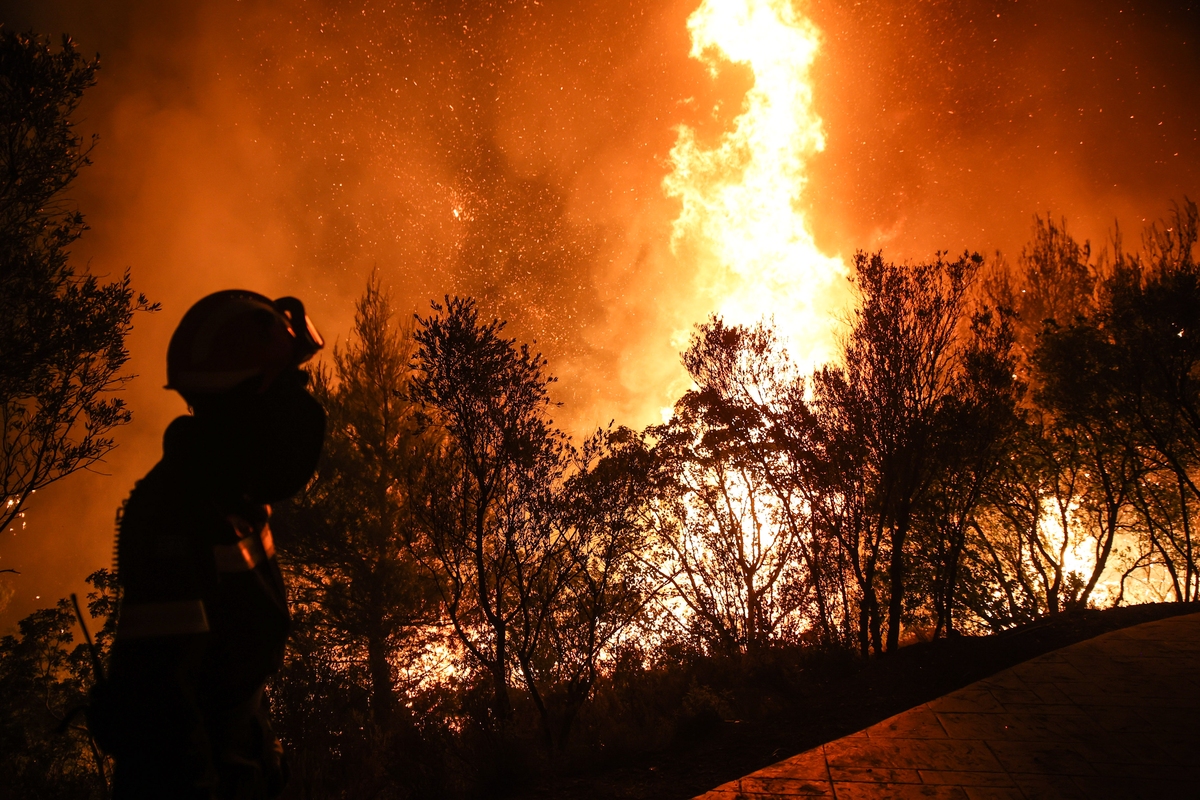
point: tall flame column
(740, 221)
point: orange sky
(290, 147)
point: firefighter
(204, 618)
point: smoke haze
(516, 151)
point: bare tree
(752, 400)
(899, 363)
(736, 537)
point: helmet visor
(308, 338)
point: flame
(740, 220)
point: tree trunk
(896, 578)
(382, 691)
(501, 703)
(952, 560)
(1189, 564)
(864, 628)
(540, 704)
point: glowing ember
(740, 219)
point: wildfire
(740, 219)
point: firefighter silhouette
(204, 617)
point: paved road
(1117, 716)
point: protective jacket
(203, 624)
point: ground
(1110, 717)
(833, 703)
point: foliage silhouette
(44, 676)
(360, 602)
(62, 333)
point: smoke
(951, 124)
(516, 152)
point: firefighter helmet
(229, 337)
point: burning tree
(363, 608)
(484, 500)
(1148, 315)
(1019, 555)
(534, 546)
(1121, 382)
(738, 541)
(601, 522)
